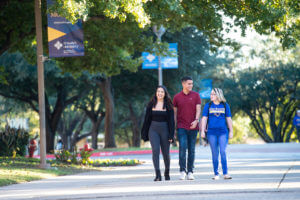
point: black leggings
(158, 135)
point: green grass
(22, 169)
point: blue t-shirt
(217, 118)
(296, 121)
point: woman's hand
(230, 134)
(203, 134)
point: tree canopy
(282, 17)
(266, 91)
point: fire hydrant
(32, 147)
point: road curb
(113, 153)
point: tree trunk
(289, 133)
(49, 138)
(105, 86)
(136, 136)
(95, 130)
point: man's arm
(198, 111)
(197, 117)
(175, 116)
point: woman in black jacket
(159, 127)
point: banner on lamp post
(205, 88)
(64, 38)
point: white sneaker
(190, 176)
(227, 176)
(216, 177)
(182, 175)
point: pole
(160, 75)
(159, 33)
(40, 65)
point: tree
(269, 92)
(70, 127)
(281, 17)
(132, 92)
(92, 106)
(113, 29)
(269, 97)
(21, 85)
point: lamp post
(41, 93)
(159, 32)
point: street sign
(206, 87)
(151, 60)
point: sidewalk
(270, 171)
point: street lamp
(41, 93)
(159, 32)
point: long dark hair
(167, 99)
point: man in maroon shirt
(187, 108)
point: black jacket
(148, 120)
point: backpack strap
(209, 105)
(224, 104)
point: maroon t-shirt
(186, 108)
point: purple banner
(64, 38)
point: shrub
(85, 154)
(64, 156)
(13, 141)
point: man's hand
(194, 124)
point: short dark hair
(186, 78)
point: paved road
(270, 171)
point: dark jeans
(187, 140)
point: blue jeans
(218, 145)
(187, 140)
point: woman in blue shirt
(217, 122)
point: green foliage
(109, 48)
(281, 17)
(13, 142)
(65, 156)
(267, 90)
(17, 24)
(61, 89)
(242, 129)
(85, 154)
(119, 162)
(74, 9)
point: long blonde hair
(219, 94)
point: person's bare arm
(229, 124)
(203, 126)
(175, 120)
(175, 116)
(196, 121)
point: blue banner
(64, 38)
(151, 60)
(205, 88)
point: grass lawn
(21, 169)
